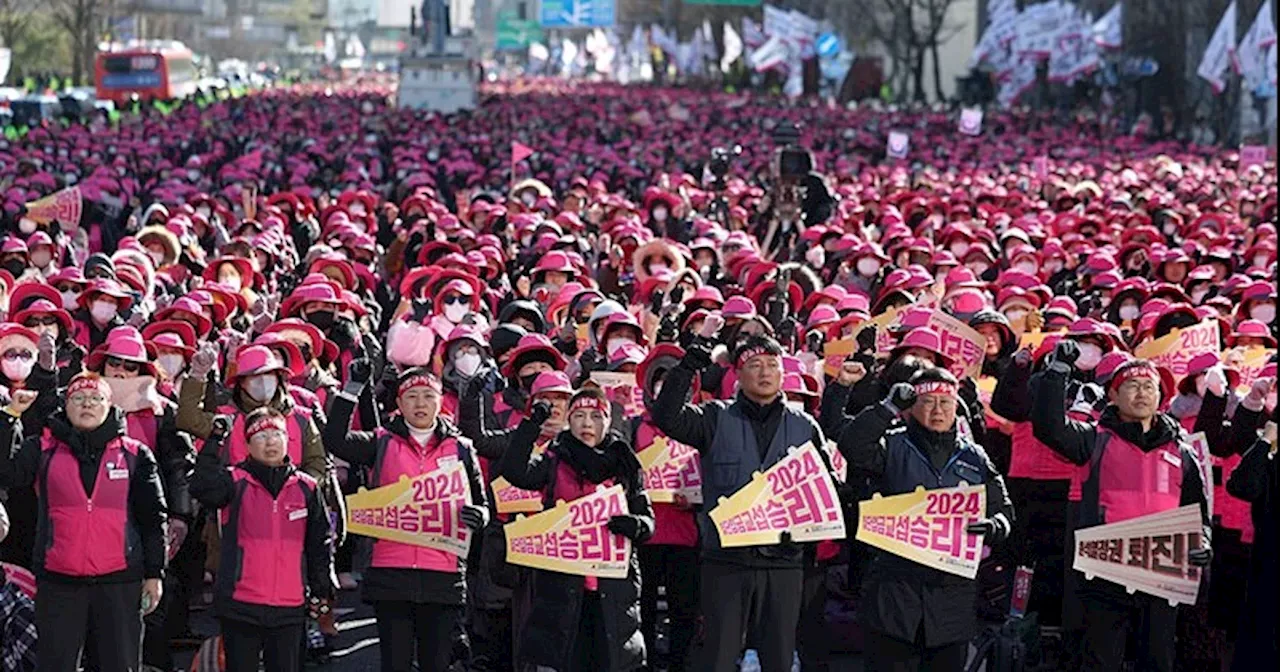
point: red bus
(162, 73)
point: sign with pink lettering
(927, 526)
(422, 511)
(671, 469)
(796, 495)
(573, 537)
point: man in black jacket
(918, 617)
(1133, 447)
(745, 591)
(101, 540)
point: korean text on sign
(928, 527)
(422, 511)
(671, 468)
(796, 495)
(1150, 554)
(573, 537)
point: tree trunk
(937, 70)
(917, 76)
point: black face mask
(322, 320)
(526, 382)
(16, 267)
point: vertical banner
(573, 537)
(927, 527)
(796, 495)
(960, 342)
(1146, 554)
(422, 511)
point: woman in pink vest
(100, 550)
(418, 593)
(275, 553)
(575, 623)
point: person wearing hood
(761, 584)
(259, 381)
(1131, 447)
(919, 618)
(575, 623)
(418, 593)
(274, 554)
(1001, 343)
(101, 543)
(466, 358)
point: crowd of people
(258, 306)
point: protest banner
(1032, 340)
(1147, 554)
(64, 206)
(1252, 155)
(1175, 349)
(422, 511)
(960, 342)
(671, 468)
(508, 498)
(573, 537)
(835, 352)
(927, 526)
(621, 389)
(1249, 362)
(796, 495)
(971, 121)
(1198, 444)
(898, 146)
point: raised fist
(1066, 352)
(220, 428)
(204, 360)
(359, 370)
(22, 400)
(902, 396)
(541, 411)
(46, 349)
(850, 373)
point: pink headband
(1131, 371)
(752, 352)
(266, 423)
(936, 387)
(90, 383)
(422, 380)
(590, 403)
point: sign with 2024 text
(1147, 554)
(927, 527)
(508, 498)
(671, 469)
(796, 495)
(422, 511)
(1174, 350)
(573, 537)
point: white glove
(1215, 380)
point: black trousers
(491, 638)
(676, 568)
(1111, 614)
(590, 650)
(738, 601)
(813, 640)
(280, 649)
(890, 654)
(109, 612)
(406, 628)
(1037, 541)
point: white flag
(663, 41)
(1251, 57)
(1108, 31)
(1020, 78)
(539, 52)
(709, 42)
(752, 35)
(732, 47)
(777, 22)
(771, 54)
(1220, 52)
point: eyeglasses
(41, 322)
(86, 400)
(266, 436)
(123, 364)
(456, 298)
(15, 355)
(63, 289)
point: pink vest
(1079, 473)
(1233, 513)
(304, 398)
(1034, 460)
(569, 487)
(1132, 483)
(87, 534)
(271, 540)
(404, 457)
(80, 333)
(673, 526)
(236, 450)
(142, 425)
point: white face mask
(454, 312)
(203, 211)
(193, 175)
(868, 267)
(1028, 267)
(103, 311)
(262, 388)
(172, 363)
(1015, 315)
(467, 363)
(41, 259)
(657, 268)
(230, 281)
(70, 300)
(659, 215)
(1263, 312)
(1052, 267)
(1198, 296)
(797, 406)
(1260, 261)
(528, 198)
(979, 268)
(959, 247)
(26, 226)
(1090, 355)
(17, 370)
(1130, 312)
(157, 258)
(613, 344)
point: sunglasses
(15, 355)
(123, 364)
(42, 322)
(67, 288)
(456, 299)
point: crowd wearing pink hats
(276, 300)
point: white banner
(1020, 78)
(732, 47)
(752, 34)
(1038, 27)
(663, 41)
(771, 54)
(1220, 52)
(1074, 55)
(1251, 57)
(1147, 554)
(1108, 32)
(777, 22)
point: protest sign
(1032, 340)
(671, 468)
(1252, 155)
(1040, 165)
(508, 498)
(971, 121)
(796, 495)
(927, 527)
(839, 465)
(621, 389)
(960, 342)
(899, 145)
(422, 511)
(1199, 447)
(1175, 349)
(63, 206)
(1147, 554)
(573, 537)
(835, 352)
(1249, 362)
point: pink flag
(520, 152)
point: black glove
(474, 517)
(784, 538)
(698, 355)
(867, 340)
(419, 311)
(474, 387)
(540, 412)
(359, 370)
(220, 428)
(902, 396)
(317, 607)
(1066, 352)
(968, 392)
(1200, 557)
(629, 527)
(984, 526)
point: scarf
(597, 465)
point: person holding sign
(1138, 464)
(756, 588)
(919, 617)
(275, 544)
(576, 623)
(418, 592)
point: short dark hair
(760, 341)
(934, 374)
(904, 368)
